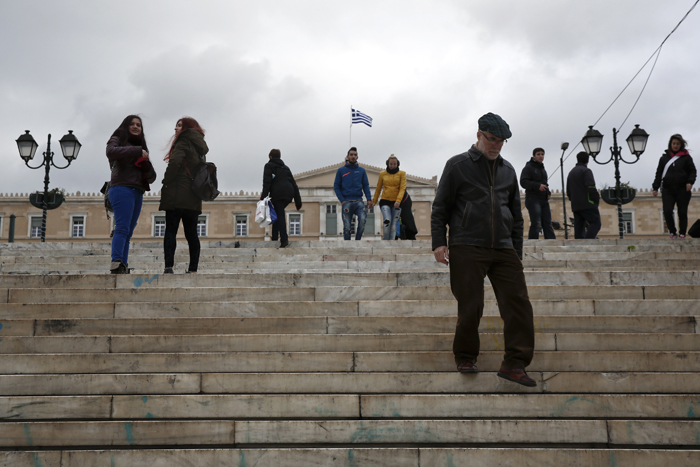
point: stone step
(334, 343)
(337, 325)
(343, 406)
(353, 457)
(606, 361)
(353, 432)
(252, 309)
(254, 362)
(346, 383)
(332, 294)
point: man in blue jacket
(350, 183)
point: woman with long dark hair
(132, 174)
(676, 176)
(187, 150)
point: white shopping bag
(262, 213)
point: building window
(202, 226)
(159, 226)
(77, 226)
(2, 218)
(628, 222)
(241, 225)
(331, 208)
(294, 224)
(664, 227)
(34, 226)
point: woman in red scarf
(675, 175)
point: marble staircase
(336, 353)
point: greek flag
(359, 117)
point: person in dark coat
(408, 223)
(534, 179)
(584, 197)
(676, 176)
(187, 150)
(132, 174)
(279, 184)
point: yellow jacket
(394, 186)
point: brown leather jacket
(122, 160)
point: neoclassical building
(231, 216)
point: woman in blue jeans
(132, 174)
(392, 186)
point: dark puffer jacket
(681, 172)
(532, 176)
(481, 205)
(279, 183)
(580, 188)
(125, 172)
(190, 149)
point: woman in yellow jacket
(391, 185)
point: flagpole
(350, 145)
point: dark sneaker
(517, 375)
(284, 244)
(467, 367)
(168, 271)
(117, 267)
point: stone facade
(82, 216)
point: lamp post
(637, 142)
(70, 147)
(564, 147)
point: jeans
(592, 216)
(279, 228)
(468, 267)
(189, 223)
(354, 207)
(391, 217)
(126, 202)
(680, 197)
(540, 218)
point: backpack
(204, 182)
(108, 204)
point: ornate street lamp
(70, 147)
(564, 147)
(637, 142)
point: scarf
(392, 171)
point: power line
(656, 54)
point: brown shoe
(517, 375)
(467, 367)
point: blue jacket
(350, 182)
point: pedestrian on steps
(676, 176)
(132, 174)
(279, 184)
(392, 186)
(187, 150)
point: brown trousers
(468, 267)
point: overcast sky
(283, 74)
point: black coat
(279, 183)
(189, 149)
(481, 205)
(580, 188)
(532, 176)
(681, 172)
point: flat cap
(495, 125)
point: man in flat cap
(479, 199)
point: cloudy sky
(283, 74)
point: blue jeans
(354, 207)
(391, 217)
(540, 218)
(126, 202)
(592, 216)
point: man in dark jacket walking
(534, 179)
(279, 183)
(478, 197)
(584, 197)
